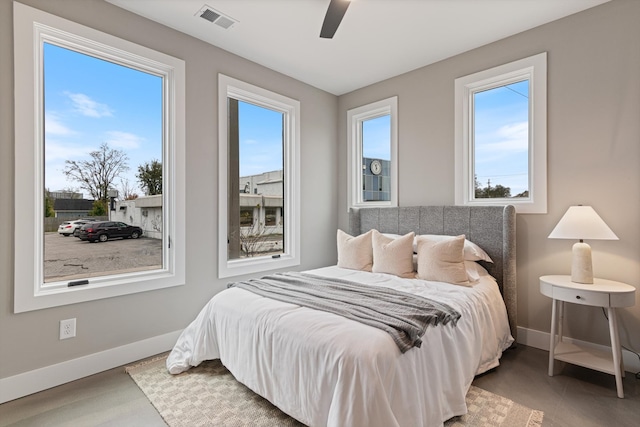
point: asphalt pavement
(69, 258)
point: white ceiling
(377, 39)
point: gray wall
(593, 150)
(30, 340)
(593, 158)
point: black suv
(102, 231)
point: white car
(68, 227)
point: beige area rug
(210, 396)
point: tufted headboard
(493, 228)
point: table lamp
(582, 222)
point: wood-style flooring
(577, 397)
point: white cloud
(124, 140)
(508, 139)
(86, 106)
(54, 126)
(515, 136)
(56, 150)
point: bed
(326, 370)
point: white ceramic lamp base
(581, 266)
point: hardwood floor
(575, 397)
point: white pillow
(475, 271)
(393, 256)
(472, 252)
(355, 253)
(442, 260)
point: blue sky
(376, 137)
(501, 136)
(260, 139)
(89, 101)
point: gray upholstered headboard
(493, 228)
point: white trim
(534, 69)
(540, 340)
(32, 28)
(228, 86)
(30, 382)
(355, 117)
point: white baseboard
(51, 376)
(539, 339)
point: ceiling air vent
(212, 15)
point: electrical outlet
(67, 328)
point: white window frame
(355, 118)
(290, 108)
(32, 28)
(534, 69)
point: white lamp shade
(583, 223)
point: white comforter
(325, 370)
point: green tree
(489, 192)
(99, 208)
(150, 177)
(97, 174)
(48, 205)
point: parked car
(101, 231)
(76, 232)
(68, 228)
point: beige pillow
(442, 261)
(355, 252)
(393, 256)
(472, 252)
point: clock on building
(376, 167)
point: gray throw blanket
(404, 316)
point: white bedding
(325, 370)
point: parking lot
(69, 258)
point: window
(259, 179)
(373, 154)
(271, 217)
(90, 110)
(501, 136)
(98, 132)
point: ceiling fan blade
(335, 13)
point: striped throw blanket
(404, 316)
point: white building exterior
(145, 212)
(261, 201)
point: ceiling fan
(335, 13)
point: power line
(515, 91)
(513, 174)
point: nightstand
(602, 293)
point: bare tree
(97, 174)
(72, 193)
(127, 190)
(252, 238)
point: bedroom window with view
(259, 135)
(373, 154)
(501, 136)
(104, 115)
